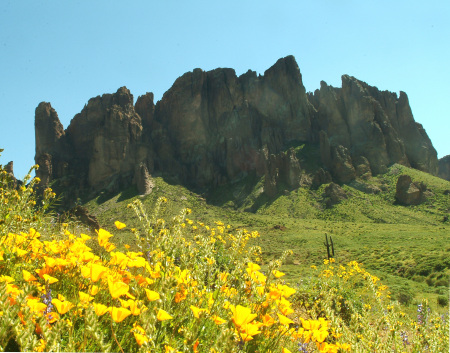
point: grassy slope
(408, 247)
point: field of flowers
(182, 286)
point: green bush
(442, 300)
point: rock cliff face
(444, 168)
(371, 124)
(214, 127)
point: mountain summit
(215, 127)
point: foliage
(361, 311)
(407, 247)
(182, 286)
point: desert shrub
(442, 300)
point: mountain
(444, 167)
(213, 128)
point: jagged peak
(210, 127)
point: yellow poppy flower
(319, 335)
(310, 325)
(109, 247)
(49, 279)
(36, 306)
(20, 252)
(84, 297)
(249, 330)
(100, 309)
(132, 305)
(84, 237)
(284, 320)
(169, 349)
(163, 315)
(252, 267)
(103, 236)
(242, 315)
(27, 276)
(50, 261)
(119, 225)
(42, 271)
(197, 311)
(7, 279)
(218, 320)
(117, 289)
(278, 274)
(119, 314)
(97, 272)
(152, 295)
(118, 258)
(268, 320)
(52, 317)
(286, 290)
(140, 339)
(61, 297)
(62, 306)
(94, 290)
(86, 256)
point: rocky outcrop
(444, 168)
(281, 169)
(409, 193)
(50, 149)
(105, 138)
(373, 124)
(82, 214)
(215, 127)
(333, 195)
(9, 168)
(321, 177)
(365, 188)
(143, 180)
(362, 168)
(217, 123)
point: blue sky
(65, 52)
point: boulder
(333, 195)
(81, 213)
(409, 193)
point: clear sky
(65, 52)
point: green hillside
(170, 280)
(407, 247)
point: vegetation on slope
(407, 247)
(175, 284)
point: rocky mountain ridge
(214, 127)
